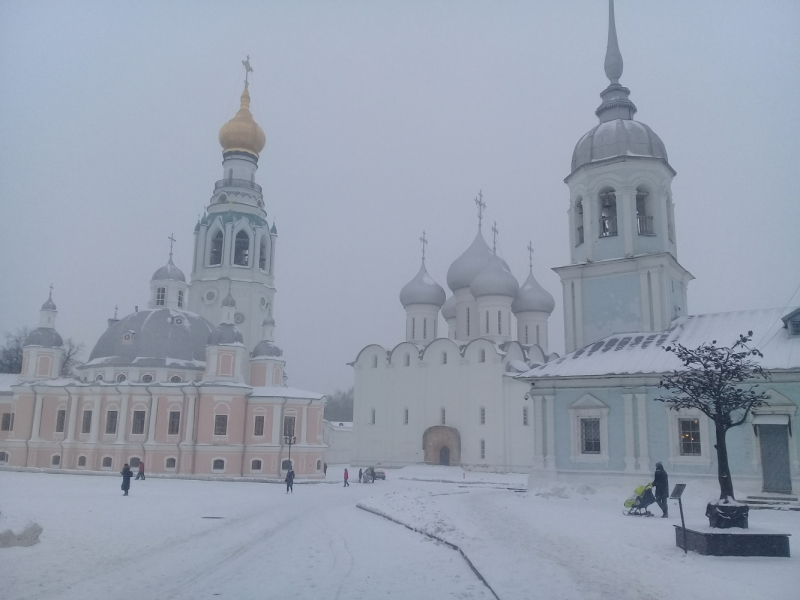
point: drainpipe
(183, 422)
(151, 416)
(280, 436)
(244, 433)
(27, 445)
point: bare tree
(11, 352)
(339, 406)
(72, 352)
(720, 382)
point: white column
(122, 421)
(73, 415)
(188, 427)
(304, 437)
(276, 425)
(630, 451)
(626, 202)
(589, 226)
(37, 418)
(151, 429)
(644, 452)
(95, 420)
(551, 433)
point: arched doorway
(442, 445)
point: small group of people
(127, 474)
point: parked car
(371, 474)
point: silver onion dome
(422, 290)
(532, 297)
(494, 280)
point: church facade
(486, 397)
(192, 385)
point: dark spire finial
(613, 64)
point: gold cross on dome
(495, 231)
(247, 69)
(481, 206)
(530, 254)
(424, 241)
(172, 240)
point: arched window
(413, 328)
(215, 257)
(180, 298)
(487, 321)
(262, 254)
(537, 336)
(373, 416)
(219, 465)
(286, 465)
(55, 461)
(134, 462)
(579, 222)
(375, 362)
(170, 464)
(81, 461)
(424, 329)
(161, 296)
(175, 379)
(644, 217)
(230, 174)
(482, 356)
(408, 359)
(405, 420)
(241, 252)
(444, 417)
(444, 358)
(468, 321)
(107, 462)
(526, 335)
(319, 465)
(255, 465)
(608, 212)
(499, 322)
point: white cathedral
(491, 396)
(192, 385)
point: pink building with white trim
(165, 385)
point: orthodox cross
(172, 240)
(116, 308)
(424, 241)
(530, 254)
(495, 231)
(51, 290)
(247, 70)
(481, 206)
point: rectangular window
(413, 328)
(444, 358)
(61, 417)
(468, 321)
(6, 422)
(373, 416)
(424, 329)
(87, 422)
(405, 422)
(525, 415)
(796, 327)
(444, 420)
(690, 436)
(483, 416)
(499, 322)
(526, 334)
(111, 421)
(161, 294)
(180, 298)
(258, 428)
(138, 422)
(483, 448)
(590, 436)
(220, 424)
(487, 321)
(288, 426)
(174, 424)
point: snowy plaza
(182, 539)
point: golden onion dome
(242, 133)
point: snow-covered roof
(343, 425)
(6, 381)
(631, 353)
(284, 392)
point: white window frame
(674, 433)
(589, 407)
(167, 467)
(216, 470)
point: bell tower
(624, 275)
(234, 245)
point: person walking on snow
(360, 475)
(346, 477)
(661, 484)
(140, 474)
(126, 478)
(325, 469)
(289, 480)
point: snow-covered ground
(556, 541)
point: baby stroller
(637, 505)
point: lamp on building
(290, 440)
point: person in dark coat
(346, 477)
(140, 474)
(126, 478)
(325, 469)
(360, 475)
(289, 480)
(661, 484)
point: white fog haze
(382, 120)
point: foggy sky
(382, 119)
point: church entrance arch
(442, 445)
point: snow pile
(27, 536)
(564, 491)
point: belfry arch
(442, 445)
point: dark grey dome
(268, 321)
(422, 290)
(494, 280)
(229, 301)
(225, 334)
(49, 305)
(154, 338)
(265, 348)
(46, 337)
(169, 271)
(532, 297)
(470, 263)
(618, 137)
